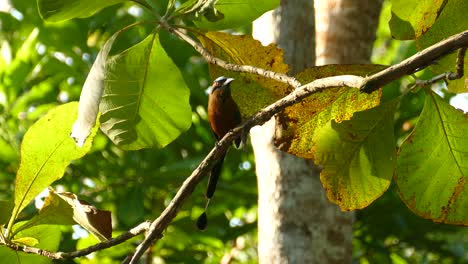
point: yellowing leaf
(412, 18)
(251, 92)
(452, 20)
(357, 156)
(300, 122)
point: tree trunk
(296, 223)
(346, 30)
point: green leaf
(236, 13)
(55, 211)
(194, 9)
(432, 168)
(64, 208)
(300, 122)
(6, 208)
(130, 207)
(7, 152)
(27, 241)
(358, 156)
(59, 10)
(48, 238)
(145, 102)
(451, 21)
(21, 67)
(91, 93)
(412, 18)
(251, 92)
(46, 151)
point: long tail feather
(202, 220)
(214, 176)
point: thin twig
(446, 75)
(460, 65)
(418, 61)
(83, 252)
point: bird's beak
(228, 81)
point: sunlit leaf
(27, 241)
(46, 151)
(251, 92)
(432, 170)
(234, 13)
(58, 10)
(55, 211)
(64, 208)
(145, 102)
(412, 18)
(451, 21)
(357, 156)
(300, 122)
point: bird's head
(221, 82)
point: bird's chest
(222, 113)
(218, 107)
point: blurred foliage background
(43, 65)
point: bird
(223, 115)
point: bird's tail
(214, 176)
(210, 190)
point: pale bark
(296, 223)
(345, 30)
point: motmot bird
(223, 115)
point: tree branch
(229, 66)
(83, 252)
(417, 62)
